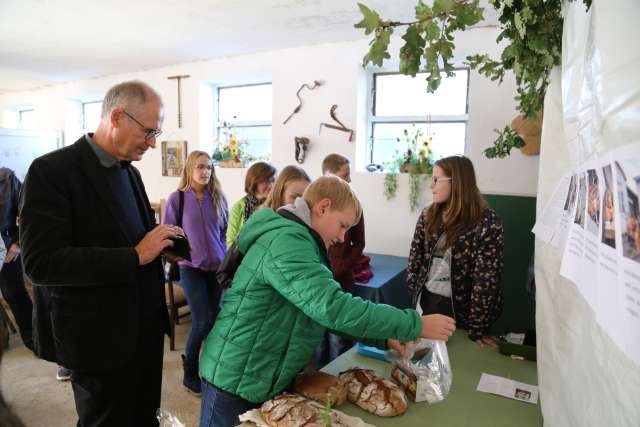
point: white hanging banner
(602, 253)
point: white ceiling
(44, 42)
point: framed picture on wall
(174, 156)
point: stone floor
(30, 387)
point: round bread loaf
(316, 386)
(373, 393)
(292, 410)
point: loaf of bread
(292, 410)
(317, 385)
(373, 393)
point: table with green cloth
(464, 406)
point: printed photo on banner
(582, 196)
(608, 209)
(628, 171)
(522, 394)
(593, 202)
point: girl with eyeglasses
(456, 258)
(204, 221)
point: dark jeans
(435, 304)
(203, 296)
(221, 409)
(130, 396)
(331, 347)
(15, 293)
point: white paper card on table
(508, 388)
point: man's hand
(486, 341)
(437, 327)
(12, 253)
(155, 242)
(397, 346)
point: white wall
(389, 224)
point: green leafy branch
(429, 37)
(507, 139)
(532, 28)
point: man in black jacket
(11, 279)
(91, 247)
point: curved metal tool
(342, 127)
(316, 84)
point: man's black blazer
(77, 252)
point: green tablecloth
(464, 406)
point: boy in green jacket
(282, 300)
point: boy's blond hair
(333, 162)
(335, 189)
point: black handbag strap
(180, 208)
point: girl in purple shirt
(204, 221)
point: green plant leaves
(390, 185)
(410, 52)
(430, 37)
(469, 15)
(378, 51)
(532, 30)
(519, 23)
(506, 141)
(370, 20)
(440, 6)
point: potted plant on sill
(230, 152)
(415, 158)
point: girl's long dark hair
(464, 208)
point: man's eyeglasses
(436, 179)
(148, 132)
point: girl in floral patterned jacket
(456, 257)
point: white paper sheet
(508, 388)
(548, 221)
(627, 166)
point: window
(398, 101)
(26, 118)
(91, 113)
(248, 110)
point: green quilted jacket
(282, 299)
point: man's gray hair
(131, 95)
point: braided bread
(374, 393)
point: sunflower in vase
(230, 151)
(416, 159)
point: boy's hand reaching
(437, 327)
(397, 346)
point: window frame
(373, 119)
(241, 123)
(83, 117)
(20, 112)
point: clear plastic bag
(167, 419)
(424, 372)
